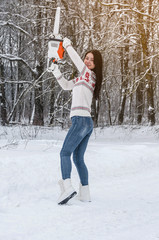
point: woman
(84, 87)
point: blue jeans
(76, 142)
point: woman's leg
(78, 158)
(76, 134)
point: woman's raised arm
(73, 55)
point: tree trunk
(2, 96)
(38, 114)
(139, 90)
(144, 39)
(124, 71)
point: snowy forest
(125, 31)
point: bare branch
(23, 93)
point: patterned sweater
(82, 87)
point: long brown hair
(98, 61)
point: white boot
(79, 192)
(60, 182)
(68, 192)
(84, 193)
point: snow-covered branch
(16, 82)
(148, 58)
(15, 58)
(127, 8)
(136, 11)
(11, 24)
(15, 15)
(114, 4)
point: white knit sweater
(82, 87)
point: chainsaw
(55, 48)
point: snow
(123, 165)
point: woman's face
(89, 61)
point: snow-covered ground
(123, 165)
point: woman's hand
(66, 42)
(55, 70)
(52, 67)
